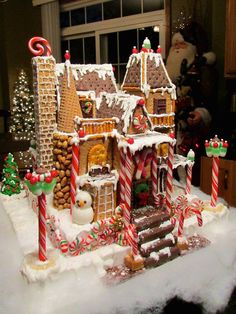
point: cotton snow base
(206, 276)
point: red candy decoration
(215, 144)
(67, 55)
(48, 179)
(33, 180)
(54, 173)
(81, 133)
(28, 175)
(134, 50)
(159, 49)
(141, 102)
(130, 141)
(172, 135)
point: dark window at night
(127, 39)
(64, 19)
(76, 50)
(64, 47)
(159, 106)
(111, 9)
(152, 5)
(112, 48)
(89, 47)
(77, 17)
(94, 13)
(130, 7)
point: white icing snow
(206, 276)
(147, 140)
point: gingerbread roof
(91, 77)
(69, 103)
(146, 72)
(121, 106)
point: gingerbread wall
(45, 108)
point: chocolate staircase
(157, 244)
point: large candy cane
(184, 214)
(42, 46)
(42, 227)
(141, 159)
(169, 180)
(122, 176)
(74, 173)
(128, 185)
(214, 183)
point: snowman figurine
(82, 212)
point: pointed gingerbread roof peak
(69, 101)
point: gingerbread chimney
(44, 81)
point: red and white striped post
(42, 227)
(190, 157)
(215, 148)
(169, 180)
(154, 174)
(74, 171)
(122, 176)
(128, 187)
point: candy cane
(74, 173)
(214, 182)
(140, 160)
(42, 227)
(128, 184)
(184, 214)
(64, 246)
(122, 176)
(189, 179)
(169, 180)
(154, 175)
(40, 44)
(132, 238)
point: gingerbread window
(159, 106)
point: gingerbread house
(147, 77)
(107, 145)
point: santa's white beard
(176, 57)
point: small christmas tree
(10, 179)
(22, 121)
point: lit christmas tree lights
(22, 117)
(22, 120)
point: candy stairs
(157, 244)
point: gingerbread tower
(45, 100)
(69, 105)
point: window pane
(127, 39)
(152, 5)
(89, 46)
(77, 17)
(76, 50)
(122, 73)
(64, 47)
(130, 7)
(111, 9)
(112, 48)
(152, 36)
(94, 13)
(64, 19)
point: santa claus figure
(191, 68)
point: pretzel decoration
(42, 45)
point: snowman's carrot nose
(81, 203)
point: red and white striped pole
(169, 180)
(74, 172)
(215, 148)
(190, 157)
(42, 227)
(154, 174)
(215, 183)
(132, 238)
(122, 176)
(128, 186)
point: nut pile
(62, 156)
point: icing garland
(140, 122)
